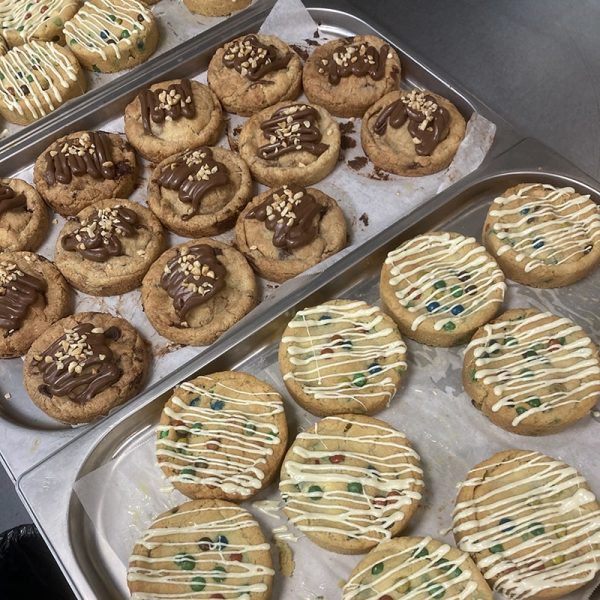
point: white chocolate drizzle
(26, 16)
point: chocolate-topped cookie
(253, 72)
(85, 365)
(172, 116)
(84, 167)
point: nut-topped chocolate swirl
(18, 291)
(289, 212)
(291, 129)
(192, 277)
(171, 104)
(79, 364)
(98, 238)
(193, 175)
(428, 122)
(355, 59)
(253, 59)
(11, 200)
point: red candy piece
(337, 458)
(237, 556)
(327, 351)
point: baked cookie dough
(200, 192)
(253, 72)
(532, 372)
(286, 231)
(33, 295)
(412, 133)
(202, 549)
(440, 287)
(343, 356)
(290, 143)
(543, 236)
(84, 365)
(108, 248)
(348, 76)
(172, 116)
(23, 216)
(417, 566)
(37, 78)
(350, 482)
(3, 46)
(85, 167)
(196, 291)
(215, 8)
(531, 524)
(112, 35)
(222, 436)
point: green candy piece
(219, 574)
(534, 402)
(438, 285)
(124, 34)
(510, 341)
(198, 584)
(185, 561)
(456, 291)
(537, 528)
(197, 426)
(449, 326)
(359, 380)
(421, 553)
(163, 434)
(188, 472)
(521, 409)
(497, 548)
(473, 374)
(249, 429)
(377, 568)
(355, 487)
(113, 18)
(435, 590)
(526, 373)
(315, 492)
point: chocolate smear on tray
(18, 291)
(171, 104)
(253, 59)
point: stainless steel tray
(81, 548)
(27, 436)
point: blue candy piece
(324, 318)
(457, 309)
(374, 369)
(217, 404)
(537, 244)
(432, 306)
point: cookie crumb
(54, 221)
(253, 247)
(364, 218)
(7, 396)
(286, 558)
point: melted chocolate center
(172, 104)
(253, 59)
(359, 60)
(18, 291)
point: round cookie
(440, 287)
(348, 76)
(421, 566)
(23, 216)
(33, 295)
(253, 72)
(200, 192)
(342, 357)
(222, 435)
(543, 236)
(532, 372)
(531, 524)
(215, 8)
(38, 77)
(84, 365)
(412, 133)
(85, 167)
(286, 231)
(112, 35)
(290, 143)
(196, 291)
(350, 482)
(108, 248)
(202, 549)
(172, 116)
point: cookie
(350, 482)
(222, 435)
(419, 567)
(33, 295)
(412, 133)
(85, 365)
(215, 8)
(172, 116)
(37, 78)
(285, 231)
(85, 167)
(543, 236)
(531, 524)
(200, 192)
(290, 143)
(202, 549)
(23, 216)
(254, 72)
(196, 291)
(3, 46)
(108, 248)
(112, 35)
(532, 372)
(348, 76)
(440, 287)
(343, 356)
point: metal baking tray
(27, 436)
(81, 549)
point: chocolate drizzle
(289, 212)
(99, 237)
(193, 175)
(18, 291)
(192, 277)
(290, 129)
(253, 59)
(428, 122)
(11, 200)
(79, 364)
(359, 60)
(158, 106)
